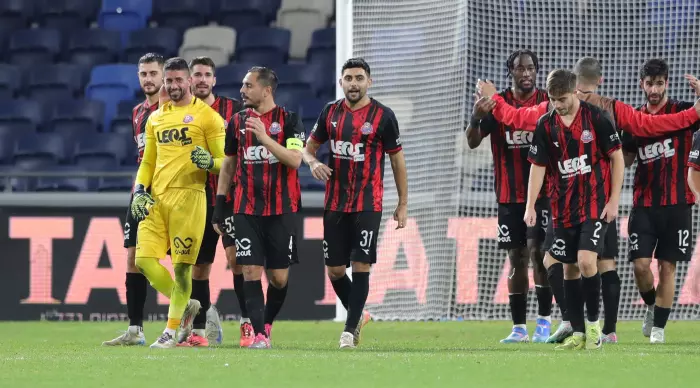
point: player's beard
(356, 95)
(528, 88)
(202, 95)
(176, 94)
(249, 102)
(153, 89)
(656, 98)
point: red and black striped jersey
(359, 140)
(694, 155)
(139, 116)
(226, 107)
(577, 158)
(660, 177)
(510, 147)
(263, 185)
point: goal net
(426, 57)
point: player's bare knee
(252, 273)
(571, 272)
(667, 270)
(360, 267)
(201, 271)
(549, 260)
(278, 278)
(587, 263)
(641, 267)
(518, 258)
(335, 273)
(606, 264)
(131, 260)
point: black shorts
(564, 243)
(269, 241)
(513, 233)
(349, 237)
(207, 251)
(610, 249)
(131, 226)
(665, 232)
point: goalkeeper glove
(141, 202)
(202, 158)
(217, 218)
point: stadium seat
(324, 58)
(322, 41)
(10, 81)
(242, 14)
(102, 145)
(91, 47)
(297, 78)
(232, 75)
(181, 14)
(42, 145)
(308, 125)
(7, 146)
(15, 14)
(302, 23)
(290, 98)
(324, 7)
(19, 116)
(163, 41)
(265, 46)
(66, 15)
(32, 46)
(53, 82)
(230, 91)
(122, 122)
(76, 118)
(310, 108)
(111, 84)
(217, 42)
(124, 15)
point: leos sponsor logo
(574, 166)
(519, 139)
(347, 150)
(259, 154)
(655, 151)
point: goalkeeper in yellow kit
(184, 137)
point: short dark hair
(266, 76)
(204, 61)
(354, 63)
(560, 82)
(510, 62)
(656, 67)
(152, 57)
(176, 64)
(588, 69)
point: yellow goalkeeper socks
(157, 275)
(181, 292)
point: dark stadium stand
(68, 75)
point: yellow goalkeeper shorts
(176, 222)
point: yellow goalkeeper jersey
(172, 132)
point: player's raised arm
(392, 145)
(481, 123)
(694, 168)
(645, 125)
(523, 118)
(144, 177)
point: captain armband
(295, 144)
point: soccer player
(150, 73)
(173, 214)
(660, 222)
(206, 326)
(361, 131)
(579, 145)
(589, 76)
(263, 149)
(510, 147)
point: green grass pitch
(305, 354)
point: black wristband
(474, 123)
(139, 188)
(220, 201)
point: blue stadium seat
(111, 84)
(181, 14)
(42, 145)
(15, 14)
(19, 116)
(243, 14)
(76, 118)
(126, 107)
(308, 125)
(121, 123)
(310, 108)
(7, 146)
(91, 47)
(230, 91)
(164, 41)
(290, 98)
(324, 58)
(32, 46)
(124, 15)
(232, 75)
(66, 15)
(297, 78)
(322, 42)
(263, 45)
(10, 81)
(53, 82)
(102, 145)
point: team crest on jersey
(586, 136)
(187, 119)
(275, 128)
(366, 128)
